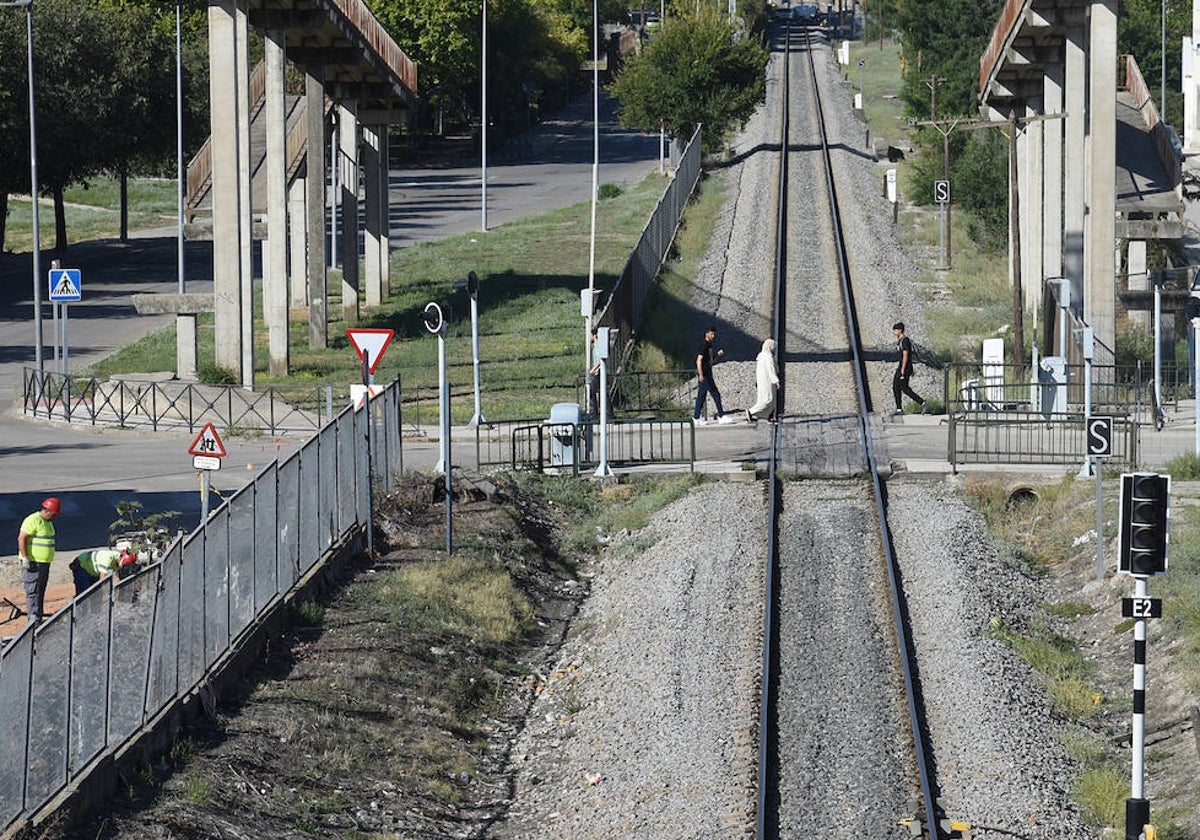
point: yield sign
(207, 443)
(371, 342)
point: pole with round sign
(434, 316)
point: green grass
(458, 595)
(93, 212)
(1059, 661)
(531, 334)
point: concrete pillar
(245, 200)
(375, 181)
(297, 244)
(1190, 69)
(1137, 279)
(185, 347)
(1052, 172)
(348, 206)
(314, 94)
(275, 276)
(226, 200)
(1029, 145)
(1099, 298)
(1073, 163)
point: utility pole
(944, 127)
(932, 82)
(1014, 124)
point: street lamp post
(33, 190)
(180, 170)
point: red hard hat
(128, 558)
(52, 504)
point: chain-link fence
(115, 658)
(627, 304)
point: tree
(14, 110)
(695, 71)
(533, 45)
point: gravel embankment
(999, 761)
(648, 726)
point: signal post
(1144, 539)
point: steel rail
(768, 770)
(907, 657)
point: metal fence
(627, 304)
(80, 686)
(1120, 390)
(175, 405)
(983, 437)
(575, 447)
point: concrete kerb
(99, 782)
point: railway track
(842, 722)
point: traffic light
(1145, 516)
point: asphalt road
(92, 469)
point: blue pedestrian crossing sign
(66, 284)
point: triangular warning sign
(371, 342)
(64, 287)
(207, 443)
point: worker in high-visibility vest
(90, 566)
(35, 546)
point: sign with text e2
(1099, 437)
(1141, 607)
(371, 342)
(941, 192)
(207, 443)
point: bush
(609, 191)
(213, 374)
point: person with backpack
(905, 366)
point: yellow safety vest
(40, 545)
(102, 561)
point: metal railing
(1120, 390)
(988, 437)
(106, 666)
(176, 405)
(626, 306)
(538, 444)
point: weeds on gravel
(1185, 467)
(1101, 794)
(1043, 525)
(1180, 588)
(1059, 661)
(595, 513)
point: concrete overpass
(1097, 173)
(348, 58)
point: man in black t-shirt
(705, 356)
(904, 369)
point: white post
(1196, 375)
(603, 470)
(443, 464)
(1158, 278)
(477, 418)
(1088, 341)
(587, 333)
(483, 120)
